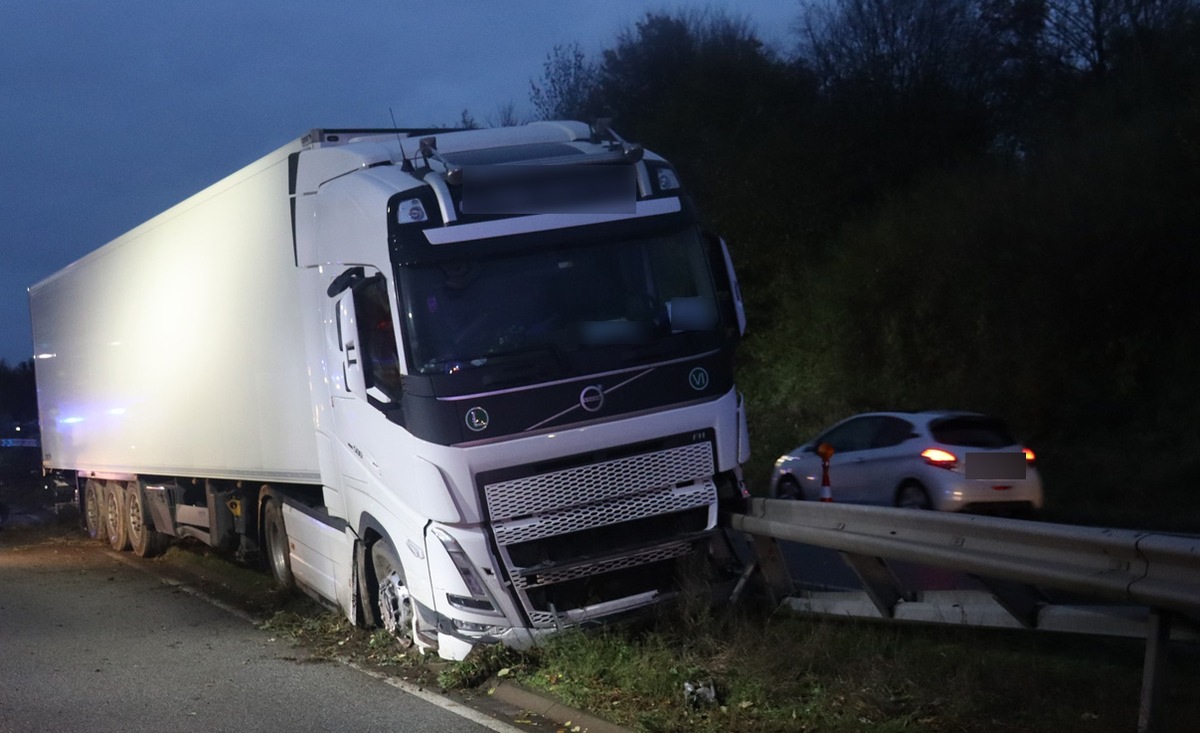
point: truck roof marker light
(410, 212)
(667, 180)
(1029, 456)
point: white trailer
(470, 385)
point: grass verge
(793, 673)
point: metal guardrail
(1151, 569)
(1014, 557)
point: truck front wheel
(395, 603)
(279, 555)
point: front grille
(602, 513)
(589, 483)
(607, 533)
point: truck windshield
(549, 302)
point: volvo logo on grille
(698, 379)
(592, 398)
(477, 419)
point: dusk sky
(112, 112)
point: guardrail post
(878, 581)
(1154, 670)
(768, 561)
(1022, 600)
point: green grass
(795, 673)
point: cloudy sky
(111, 112)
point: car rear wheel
(789, 488)
(913, 496)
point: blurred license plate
(1002, 466)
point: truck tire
(143, 538)
(94, 513)
(279, 556)
(396, 613)
(115, 518)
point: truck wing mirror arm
(346, 280)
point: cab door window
(377, 340)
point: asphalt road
(90, 643)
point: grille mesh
(625, 509)
(596, 482)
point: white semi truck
(474, 386)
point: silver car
(949, 461)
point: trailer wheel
(145, 540)
(94, 513)
(278, 551)
(395, 603)
(115, 520)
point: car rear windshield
(972, 432)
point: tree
(467, 121)
(567, 84)
(1091, 33)
(18, 394)
(506, 116)
(1083, 30)
(896, 45)
(906, 87)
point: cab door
(365, 366)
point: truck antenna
(403, 160)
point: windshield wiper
(508, 360)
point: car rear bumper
(989, 497)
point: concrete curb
(517, 696)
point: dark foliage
(935, 203)
(18, 395)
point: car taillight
(1029, 457)
(939, 457)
